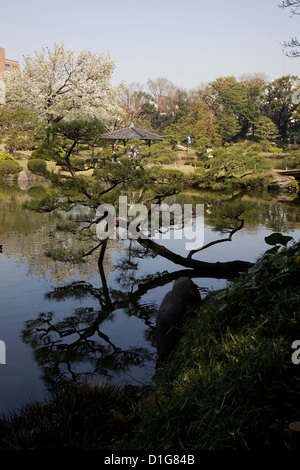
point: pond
(64, 321)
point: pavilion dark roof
(129, 133)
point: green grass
(78, 417)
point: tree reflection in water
(76, 348)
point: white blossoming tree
(57, 84)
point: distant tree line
(222, 111)
(58, 86)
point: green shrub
(254, 149)
(265, 145)
(45, 151)
(295, 153)
(163, 160)
(105, 153)
(275, 149)
(230, 166)
(78, 163)
(37, 166)
(294, 161)
(9, 167)
(222, 152)
(161, 149)
(5, 157)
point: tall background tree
(160, 86)
(135, 103)
(279, 105)
(236, 105)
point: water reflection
(77, 346)
(103, 323)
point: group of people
(133, 152)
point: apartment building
(7, 64)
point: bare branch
(90, 222)
(228, 239)
(294, 5)
(93, 249)
(112, 187)
(228, 269)
(293, 44)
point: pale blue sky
(186, 41)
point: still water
(62, 321)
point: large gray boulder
(184, 297)
(26, 180)
(26, 175)
(283, 184)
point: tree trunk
(218, 270)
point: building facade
(7, 64)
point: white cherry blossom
(62, 84)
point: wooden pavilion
(131, 133)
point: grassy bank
(231, 383)
(77, 417)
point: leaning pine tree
(75, 99)
(108, 181)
